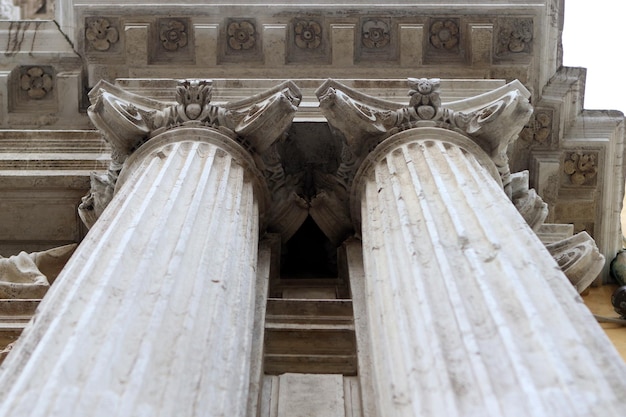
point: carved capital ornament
(127, 121)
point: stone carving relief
(514, 36)
(101, 33)
(173, 34)
(36, 81)
(307, 34)
(425, 97)
(375, 33)
(539, 130)
(241, 35)
(529, 204)
(127, 121)
(579, 259)
(8, 11)
(29, 275)
(581, 168)
(365, 121)
(362, 122)
(444, 34)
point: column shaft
(153, 316)
(468, 313)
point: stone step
(310, 336)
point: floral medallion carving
(36, 82)
(539, 130)
(307, 34)
(514, 36)
(241, 35)
(173, 34)
(444, 34)
(101, 33)
(581, 168)
(375, 34)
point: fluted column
(468, 313)
(153, 315)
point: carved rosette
(101, 33)
(172, 34)
(307, 34)
(444, 34)
(36, 82)
(539, 130)
(128, 121)
(515, 36)
(581, 168)
(375, 34)
(241, 35)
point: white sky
(593, 38)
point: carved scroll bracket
(128, 120)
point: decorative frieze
(580, 168)
(101, 33)
(36, 81)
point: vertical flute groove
(462, 297)
(160, 295)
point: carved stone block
(172, 41)
(444, 41)
(514, 39)
(241, 40)
(377, 39)
(538, 132)
(580, 169)
(33, 88)
(308, 40)
(103, 36)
